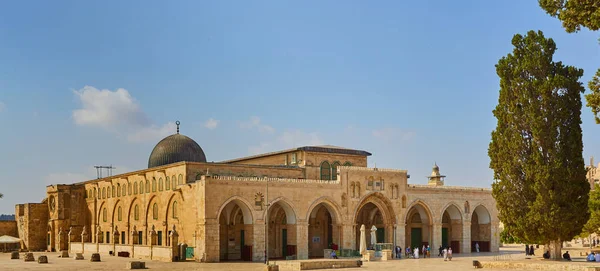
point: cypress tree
(536, 150)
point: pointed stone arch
(244, 206)
(481, 228)
(419, 221)
(451, 220)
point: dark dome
(176, 148)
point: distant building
(593, 174)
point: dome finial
(177, 123)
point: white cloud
(389, 134)
(255, 123)
(2, 106)
(211, 124)
(118, 112)
(107, 108)
(262, 148)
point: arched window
(135, 188)
(153, 184)
(155, 211)
(108, 192)
(147, 186)
(334, 167)
(103, 192)
(119, 214)
(173, 182)
(175, 209)
(325, 171)
(129, 188)
(403, 201)
(167, 183)
(160, 184)
(94, 192)
(180, 182)
(113, 191)
(136, 212)
(118, 190)
(141, 187)
(347, 164)
(124, 190)
(104, 214)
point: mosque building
(295, 202)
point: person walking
(441, 252)
(477, 247)
(445, 253)
(526, 250)
(450, 254)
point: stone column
(348, 237)
(302, 239)
(115, 239)
(70, 236)
(59, 239)
(465, 246)
(437, 236)
(153, 237)
(210, 230)
(174, 241)
(98, 238)
(495, 242)
(401, 235)
(134, 240)
(258, 244)
(84, 236)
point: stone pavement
(459, 262)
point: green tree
(575, 14)
(593, 224)
(536, 149)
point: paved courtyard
(513, 253)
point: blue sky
(413, 82)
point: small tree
(575, 14)
(593, 224)
(536, 148)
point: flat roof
(324, 148)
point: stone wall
(32, 221)
(9, 227)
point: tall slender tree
(575, 14)
(536, 149)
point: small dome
(176, 148)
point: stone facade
(31, 218)
(9, 227)
(593, 174)
(290, 204)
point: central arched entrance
(235, 232)
(481, 229)
(323, 231)
(452, 228)
(375, 210)
(282, 230)
(418, 226)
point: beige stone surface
(222, 211)
(118, 263)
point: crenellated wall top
(268, 179)
(457, 188)
(353, 168)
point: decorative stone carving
(259, 201)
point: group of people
(593, 257)
(567, 256)
(529, 250)
(416, 252)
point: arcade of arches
(294, 203)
